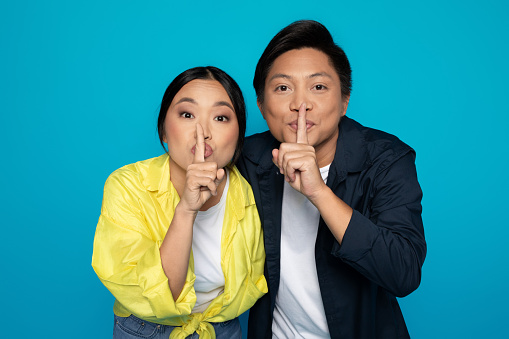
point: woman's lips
(208, 150)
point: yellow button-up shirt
(138, 206)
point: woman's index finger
(199, 150)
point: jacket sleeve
(126, 255)
(389, 247)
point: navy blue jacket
(383, 249)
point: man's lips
(294, 124)
(208, 150)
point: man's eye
(282, 88)
(221, 118)
(320, 87)
(186, 115)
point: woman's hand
(202, 177)
(202, 181)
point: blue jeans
(133, 328)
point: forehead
(203, 90)
(303, 61)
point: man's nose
(298, 98)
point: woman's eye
(186, 115)
(221, 118)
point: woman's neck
(214, 200)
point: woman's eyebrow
(224, 103)
(217, 104)
(186, 99)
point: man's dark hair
(298, 35)
(206, 73)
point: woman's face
(304, 76)
(207, 103)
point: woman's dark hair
(298, 35)
(206, 73)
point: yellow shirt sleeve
(258, 257)
(126, 254)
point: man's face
(304, 76)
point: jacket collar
(351, 148)
(157, 178)
(265, 158)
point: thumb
(275, 156)
(220, 175)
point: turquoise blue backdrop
(80, 85)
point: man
(340, 203)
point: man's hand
(297, 161)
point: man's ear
(260, 107)
(346, 100)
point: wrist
(184, 211)
(320, 195)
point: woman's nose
(207, 135)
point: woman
(179, 242)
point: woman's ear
(260, 107)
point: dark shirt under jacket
(383, 248)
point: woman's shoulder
(138, 173)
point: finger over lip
(294, 125)
(208, 150)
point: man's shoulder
(372, 135)
(378, 146)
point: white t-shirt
(207, 230)
(299, 311)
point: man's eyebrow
(320, 74)
(280, 76)
(289, 77)
(224, 103)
